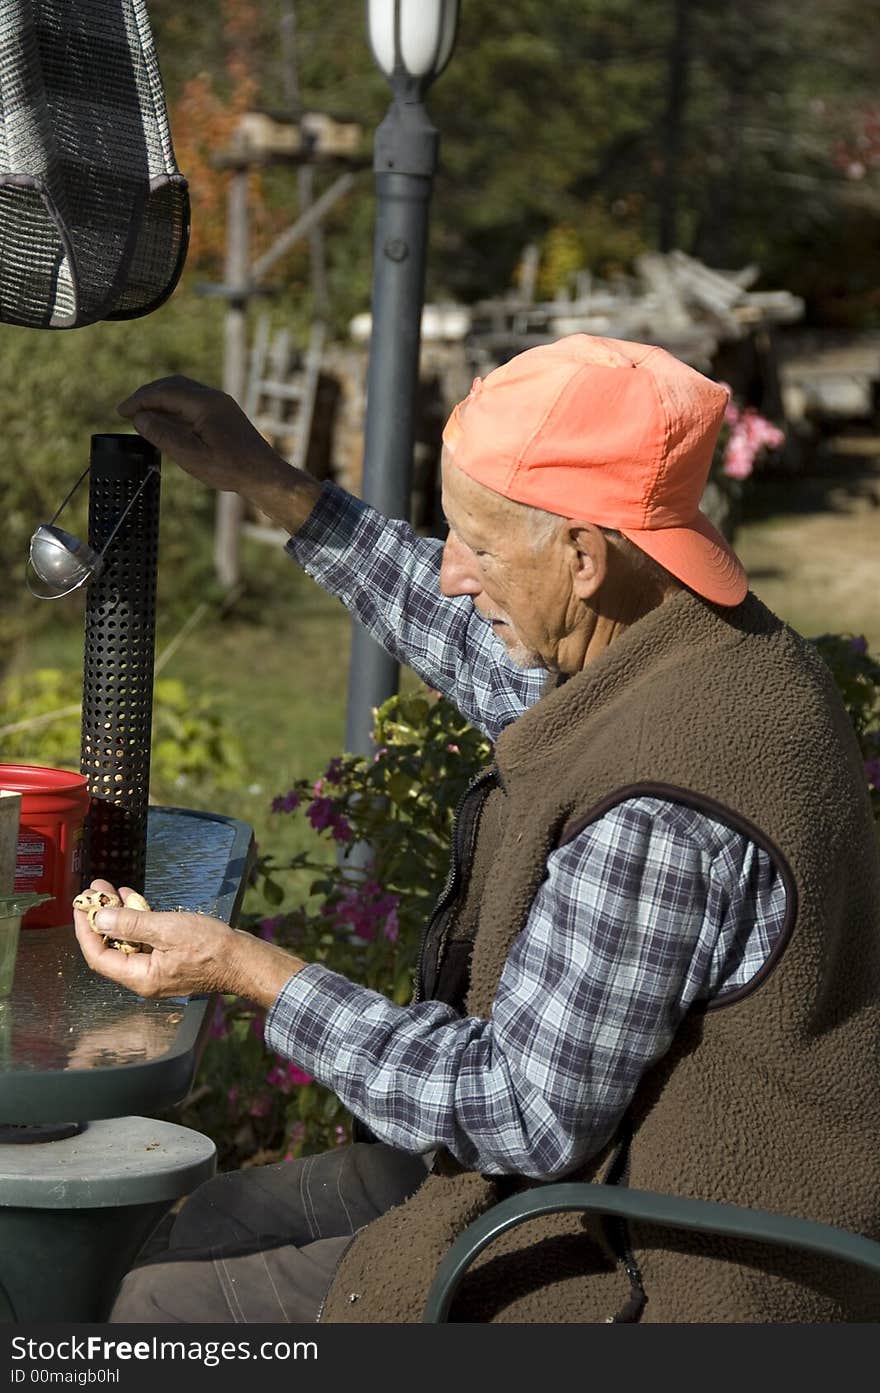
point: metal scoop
(61, 561)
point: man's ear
(589, 557)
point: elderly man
(657, 961)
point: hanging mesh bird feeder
(94, 214)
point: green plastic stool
(75, 1213)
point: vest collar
(662, 638)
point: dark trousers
(261, 1245)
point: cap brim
(699, 556)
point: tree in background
(600, 126)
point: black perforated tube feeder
(120, 632)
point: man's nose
(458, 572)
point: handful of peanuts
(90, 901)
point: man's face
(524, 591)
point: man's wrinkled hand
(209, 436)
(203, 429)
(191, 953)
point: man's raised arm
(210, 437)
(385, 575)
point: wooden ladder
(280, 400)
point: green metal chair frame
(671, 1211)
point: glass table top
(70, 1039)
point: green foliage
(193, 747)
(364, 916)
(857, 675)
(765, 95)
(56, 390)
(45, 737)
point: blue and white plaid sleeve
(650, 909)
(389, 578)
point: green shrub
(193, 746)
(56, 390)
(857, 675)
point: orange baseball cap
(619, 434)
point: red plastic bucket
(54, 803)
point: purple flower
(859, 644)
(341, 829)
(286, 802)
(333, 772)
(321, 813)
(257, 1024)
(269, 928)
(367, 911)
(872, 770)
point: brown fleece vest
(769, 1099)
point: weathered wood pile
(672, 300)
(714, 320)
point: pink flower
(453, 749)
(731, 411)
(738, 459)
(259, 1107)
(340, 1136)
(232, 1096)
(750, 433)
(286, 1077)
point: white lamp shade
(412, 36)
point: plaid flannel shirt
(650, 909)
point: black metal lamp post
(412, 42)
